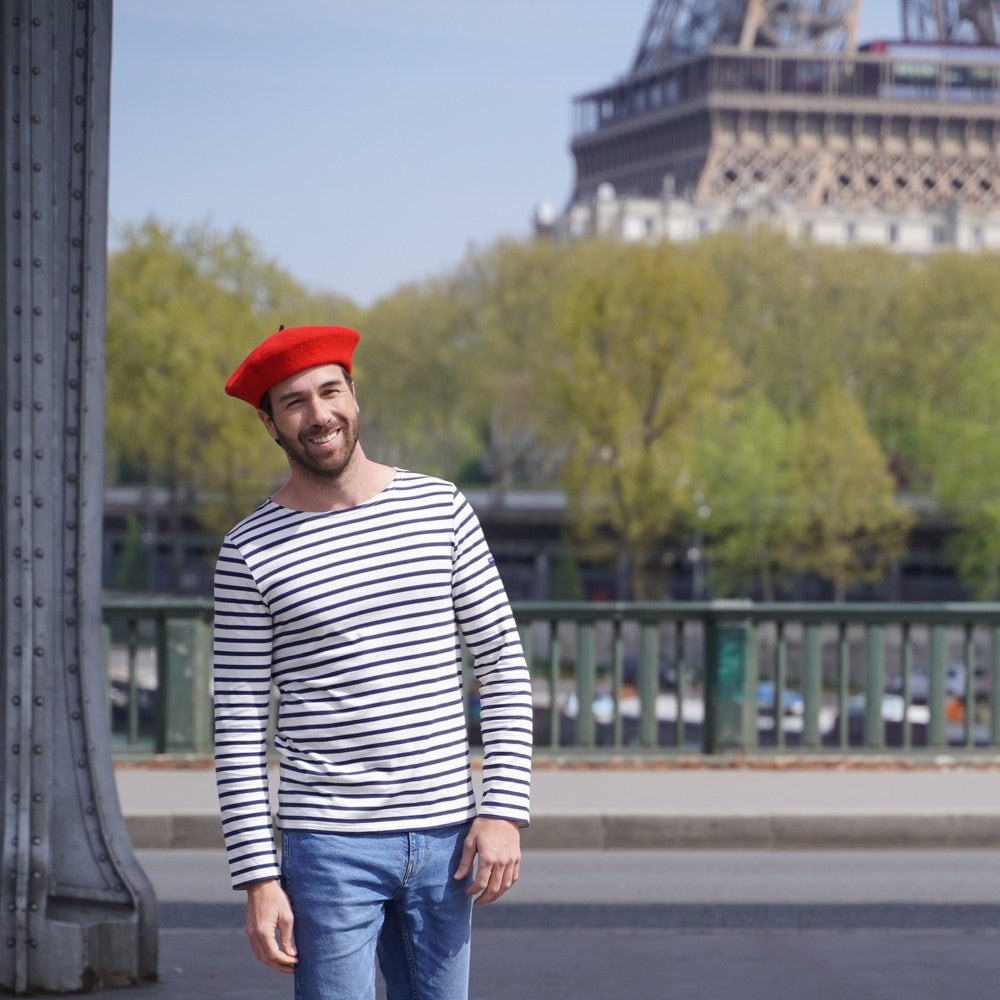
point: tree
(854, 528)
(639, 365)
(746, 465)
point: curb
(679, 832)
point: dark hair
(265, 401)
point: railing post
(812, 670)
(937, 727)
(586, 675)
(874, 686)
(727, 702)
(649, 646)
(187, 701)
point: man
(352, 590)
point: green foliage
(854, 529)
(798, 388)
(639, 364)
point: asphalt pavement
(665, 881)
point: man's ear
(268, 423)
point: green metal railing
(657, 678)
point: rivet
(81, 53)
(39, 358)
(16, 798)
(17, 652)
(39, 454)
(15, 748)
(39, 700)
(32, 943)
(39, 651)
(17, 600)
(37, 167)
(71, 478)
(74, 335)
(90, 810)
(15, 71)
(11, 942)
(74, 383)
(36, 841)
(18, 550)
(17, 211)
(81, 762)
(17, 453)
(77, 195)
(39, 602)
(77, 147)
(36, 70)
(72, 668)
(37, 262)
(16, 700)
(17, 262)
(71, 525)
(37, 311)
(71, 432)
(17, 358)
(39, 406)
(76, 241)
(32, 906)
(36, 749)
(39, 502)
(74, 715)
(36, 214)
(75, 289)
(17, 310)
(102, 857)
(17, 406)
(39, 553)
(71, 622)
(17, 501)
(36, 119)
(71, 572)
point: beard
(326, 467)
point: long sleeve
(242, 688)
(490, 633)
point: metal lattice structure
(683, 27)
(77, 912)
(971, 21)
(735, 100)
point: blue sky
(362, 145)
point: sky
(363, 145)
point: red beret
(287, 353)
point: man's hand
(269, 920)
(496, 843)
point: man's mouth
(325, 439)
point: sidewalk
(675, 804)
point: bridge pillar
(76, 911)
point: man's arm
(496, 843)
(269, 925)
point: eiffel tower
(736, 109)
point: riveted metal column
(76, 911)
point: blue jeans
(355, 895)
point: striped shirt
(357, 617)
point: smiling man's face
(314, 417)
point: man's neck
(358, 483)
